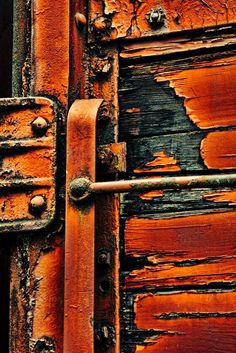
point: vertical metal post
(80, 230)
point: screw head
(37, 205)
(40, 126)
(156, 18)
(104, 258)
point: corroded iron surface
(27, 172)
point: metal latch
(28, 163)
(82, 188)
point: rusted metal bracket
(111, 158)
(81, 188)
(80, 230)
(28, 163)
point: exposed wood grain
(159, 202)
(184, 322)
(193, 272)
(182, 151)
(208, 91)
(182, 44)
(188, 92)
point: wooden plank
(182, 152)
(121, 19)
(161, 201)
(187, 250)
(181, 95)
(187, 321)
(186, 43)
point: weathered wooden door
(150, 271)
(166, 70)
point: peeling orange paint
(202, 86)
(185, 319)
(133, 110)
(161, 163)
(222, 196)
(129, 18)
(151, 195)
(218, 150)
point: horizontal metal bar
(82, 188)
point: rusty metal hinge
(28, 163)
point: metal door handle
(81, 189)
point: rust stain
(222, 196)
(203, 87)
(161, 163)
(50, 54)
(218, 150)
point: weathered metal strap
(82, 188)
(80, 230)
(28, 163)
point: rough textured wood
(197, 237)
(116, 19)
(182, 99)
(182, 152)
(179, 44)
(183, 322)
(159, 202)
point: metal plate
(27, 163)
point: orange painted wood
(118, 19)
(208, 90)
(187, 321)
(218, 150)
(80, 230)
(197, 249)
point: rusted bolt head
(104, 335)
(80, 20)
(102, 66)
(156, 18)
(105, 157)
(101, 23)
(104, 258)
(79, 189)
(37, 204)
(40, 126)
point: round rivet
(79, 189)
(37, 204)
(40, 126)
(80, 20)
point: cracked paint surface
(201, 87)
(129, 18)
